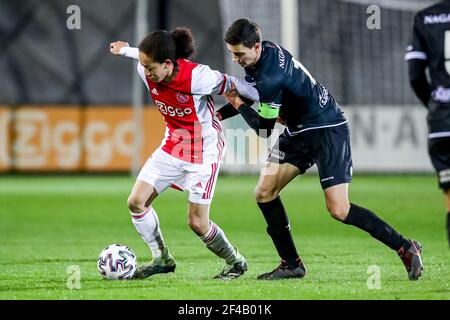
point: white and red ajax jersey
(193, 132)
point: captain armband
(266, 111)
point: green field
(48, 224)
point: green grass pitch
(48, 224)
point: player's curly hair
(243, 31)
(161, 44)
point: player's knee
(135, 204)
(198, 226)
(339, 211)
(265, 194)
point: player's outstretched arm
(122, 48)
(247, 93)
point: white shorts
(162, 170)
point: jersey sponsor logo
(441, 94)
(437, 18)
(182, 98)
(171, 111)
(155, 92)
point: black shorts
(439, 150)
(328, 148)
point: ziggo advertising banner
(70, 139)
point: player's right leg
(156, 176)
(146, 222)
(349, 213)
(334, 162)
(216, 241)
(201, 182)
(273, 179)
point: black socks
(362, 218)
(279, 230)
(368, 221)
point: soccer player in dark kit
(316, 133)
(430, 48)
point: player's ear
(167, 63)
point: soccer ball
(117, 262)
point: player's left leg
(215, 240)
(145, 218)
(146, 221)
(201, 183)
(335, 170)
(274, 177)
(158, 173)
(341, 209)
(288, 158)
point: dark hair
(243, 31)
(161, 44)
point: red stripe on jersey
(222, 88)
(211, 109)
(216, 125)
(220, 142)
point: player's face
(156, 71)
(246, 57)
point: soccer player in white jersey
(190, 154)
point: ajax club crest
(182, 98)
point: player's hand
(219, 116)
(232, 97)
(115, 47)
(280, 120)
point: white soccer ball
(117, 262)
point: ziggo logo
(171, 111)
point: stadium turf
(48, 224)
